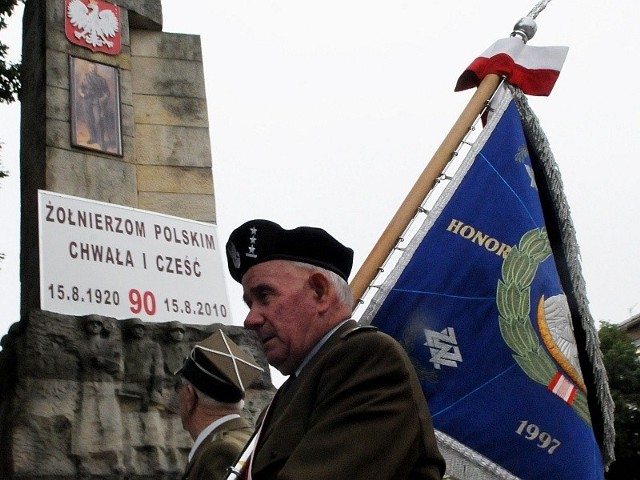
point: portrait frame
(95, 106)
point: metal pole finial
(525, 29)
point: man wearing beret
(210, 390)
(352, 406)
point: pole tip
(525, 28)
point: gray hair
(339, 283)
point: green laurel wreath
(513, 299)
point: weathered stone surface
(125, 30)
(144, 14)
(159, 76)
(127, 126)
(100, 178)
(80, 402)
(58, 133)
(128, 146)
(195, 207)
(57, 41)
(174, 179)
(58, 70)
(171, 145)
(126, 89)
(166, 45)
(55, 16)
(157, 110)
(58, 106)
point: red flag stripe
(562, 386)
(533, 69)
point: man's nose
(253, 319)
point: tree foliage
(623, 369)
(3, 174)
(9, 72)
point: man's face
(283, 311)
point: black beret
(220, 369)
(259, 241)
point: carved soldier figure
(143, 365)
(175, 351)
(177, 440)
(98, 431)
(141, 398)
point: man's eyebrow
(255, 291)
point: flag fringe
(465, 463)
(539, 142)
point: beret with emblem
(220, 369)
(259, 241)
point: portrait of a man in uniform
(95, 106)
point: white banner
(123, 262)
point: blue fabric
(482, 397)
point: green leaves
(9, 72)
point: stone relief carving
(141, 399)
(93, 397)
(98, 429)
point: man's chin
(279, 364)
(274, 360)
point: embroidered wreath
(513, 299)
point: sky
(325, 113)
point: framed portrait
(95, 106)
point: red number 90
(145, 301)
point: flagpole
(401, 220)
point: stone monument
(91, 397)
(156, 157)
(117, 113)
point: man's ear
(321, 286)
(192, 399)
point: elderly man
(210, 392)
(352, 406)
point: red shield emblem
(93, 24)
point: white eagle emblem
(95, 26)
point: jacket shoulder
(357, 330)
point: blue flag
(477, 301)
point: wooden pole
(400, 221)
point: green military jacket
(356, 411)
(218, 451)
